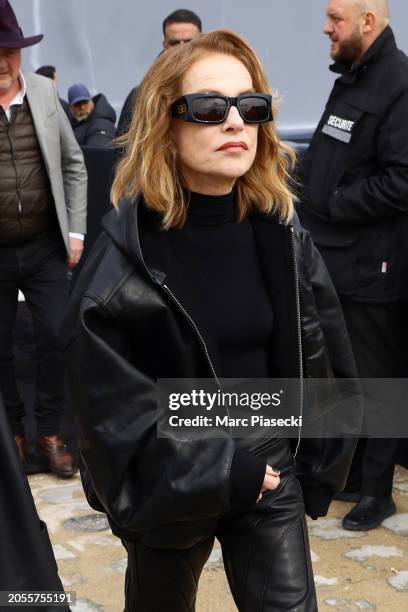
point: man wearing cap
(92, 119)
(42, 226)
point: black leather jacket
(134, 327)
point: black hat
(11, 35)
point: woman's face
(212, 157)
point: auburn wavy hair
(149, 164)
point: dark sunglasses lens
(254, 109)
(212, 110)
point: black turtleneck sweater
(223, 256)
(230, 283)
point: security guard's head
(353, 26)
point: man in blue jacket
(92, 118)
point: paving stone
(315, 558)
(54, 515)
(88, 522)
(322, 581)
(400, 474)
(120, 566)
(397, 524)
(341, 605)
(97, 572)
(346, 605)
(359, 554)
(402, 487)
(62, 494)
(362, 604)
(399, 581)
(85, 605)
(71, 579)
(227, 589)
(60, 552)
(331, 529)
(93, 539)
(214, 560)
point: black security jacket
(134, 327)
(355, 177)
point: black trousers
(265, 551)
(378, 334)
(38, 268)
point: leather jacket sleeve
(140, 480)
(323, 463)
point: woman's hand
(271, 480)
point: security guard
(355, 204)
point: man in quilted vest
(42, 226)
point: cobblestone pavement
(353, 571)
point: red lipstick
(233, 145)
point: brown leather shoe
(21, 447)
(61, 461)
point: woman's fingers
(270, 482)
(272, 471)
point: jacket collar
(124, 224)
(383, 45)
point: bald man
(355, 205)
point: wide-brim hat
(11, 35)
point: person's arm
(76, 247)
(323, 463)
(385, 193)
(140, 480)
(74, 173)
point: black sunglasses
(214, 107)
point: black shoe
(61, 461)
(348, 496)
(369, 513)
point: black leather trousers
(265, 551)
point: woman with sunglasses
(200, 273)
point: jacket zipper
(189, 319)
(299, 332)
(197, 331)
(202, 342)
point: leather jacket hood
(128, 324)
